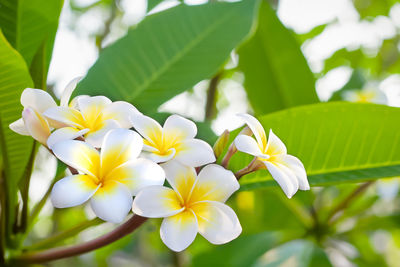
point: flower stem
(69, 251)
(231, 150)
(248, 169)
(58, 237)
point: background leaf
(276, 73)
(337, 142)
(15, 149)
(30, 27)
(168, 53)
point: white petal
(74, 102)
(18, 126)
(119, 146)
(66, 94)
(298, 168)
(256, 128)
(281, 177)
(195, 152)
(38, 99)
(65, 116)
(180, 127)
(92, 105)
(112, 202)
(138, 174)
(156, 202)
(78, 155)
(72, 191)
(181, 177)
(179, 231)
(36, 125)
(247, 145)
(147, 127)
(66, 133)
(120, 111)
(218, 223)
(275, 146)
(96, 138)
(214, 183)
(155, 157)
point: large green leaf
(276, 73)
(30, 27)
(15, 149)
(168, 53)
(337, 142)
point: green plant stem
(211, 96)
(56, 238)
(332, 217)
(69, 251)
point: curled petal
(147, 127)
(179, 231)
(180, 127)
(120, 111)
(18, 126)
(72, 191)
(218, 223)
(248, 145)
(157, 158)
(275, 146)
(256, 128)
(195, 152)
(138, 174)
(112, 202)
(214, 183)
(156, 202)
(298, 169)
(95, 138)
(66, 133)
(284, 181)
(78, 155)
(36, 125)
(38, 99)
(65, 116)
(119, 146)
(66, 94)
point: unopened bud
(221, 143)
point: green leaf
(276, 73)
(152, 4)
(242, 251)
(337, 142)
(30, 27)
(168, 53)
(15, 149)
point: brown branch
(248, 169)
(69, 251)
(345, 202)
(211, 96)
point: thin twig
(231, 150)
(345, 202)
(69, 251)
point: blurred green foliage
(169, 53)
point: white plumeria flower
(286, 169)
(173, 141)
(194, 204)
(367, 95)
(33, 123)
(108, 178)
(94, 115)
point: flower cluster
(112, 164)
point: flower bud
(221, 143)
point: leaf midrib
(181, 54)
